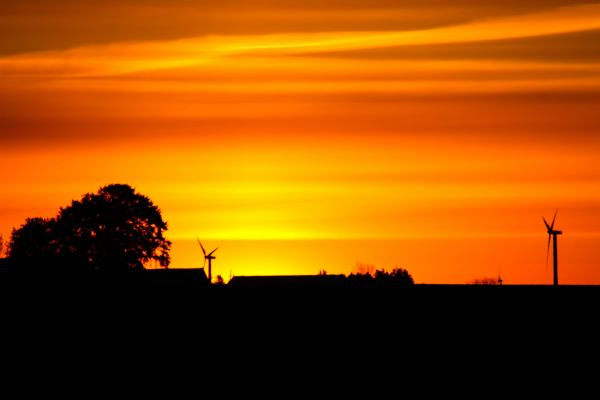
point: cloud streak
(35, 25)
(126, 58)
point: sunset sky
(308, 135)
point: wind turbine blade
(202, 247)
(210, 254)
(553, 219)
(546, 223)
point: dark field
(194, 301)
(448, 329)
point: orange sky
(420, 134)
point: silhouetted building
(42, 274)
(287, 281)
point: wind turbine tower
(208, 257)
(553, 234)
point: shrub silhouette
(114, 229)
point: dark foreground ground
(176, 303)
(303, 304)
(293, 339)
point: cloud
(392, 82)
(123, 58)
(37, 25)
(571, 47)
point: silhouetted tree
(33, 239)
(1, 246)
(219, 280)
(114, 229)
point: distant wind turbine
(208, 257)
(552, 233)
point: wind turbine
(208, 257)
(552, 233)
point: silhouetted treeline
(114, 229)
(397, 277)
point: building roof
(286, 281)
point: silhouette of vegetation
(364, 269)
(34, 239)
(219, 280)
(484, 281)
(114, 229)
(1, 246)
(360, 279)
(398, 276)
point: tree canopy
(32, 240)
(114, 229)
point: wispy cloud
(126, 58)
(34, 25)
